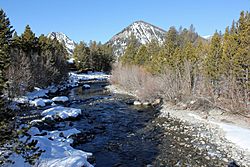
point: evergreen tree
(170, 46)
(5, 41)
(7, 125)
(82, 56)
(213, 61)
(142, 56)
(130, 52)
(29, 40)
(242, 57)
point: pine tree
(82, 56)
(5, 41)
(213, 61)
(242, 57)
(130, 52)
(29, 40)
(142, 56)
(170, 45)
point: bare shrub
(137, 80)
(181, 85)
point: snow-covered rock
(60, 99)
(143, 32)
(37, 103)
(53, 89)
(38, 92)
(68, 43)
(137, 103)
(62, 112)
(86, 86)
(40, 102)
(33, 131)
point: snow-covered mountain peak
(64, 39)
(143, 32)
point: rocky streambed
(123, 135)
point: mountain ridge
(68, 43)
(144, 32)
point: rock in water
(86, 86)
(233, 164)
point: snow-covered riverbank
(232, 139)
(55, 144)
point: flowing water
(121, 134)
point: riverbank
(45, 108)
(229, 133)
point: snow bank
(58, 152)
(89, 76)
(62, 112)
(60, 99)
(235, 134)
(40, 102)
(37, 93)
(238, 135)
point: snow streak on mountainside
(64, 39)
(144, 33)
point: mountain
(64, 39)
(207, 37)
(144, 33)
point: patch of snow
(238, 135)
(35, 121)
(235, 134)
(195, 116)
(60, 99)
(37, 103)
(37, 93)
(52, 89)
(18, 160)
(90, 76)
(40, 102)
(58, 152)
(62, 112)
(207, 37)
(33, 131)
(137, 103)
(64, 39)
(86, 86)
(71, 60)
(21, 100)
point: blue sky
(101, 19)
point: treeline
(188, 66)
(93, 57)
(33, 61)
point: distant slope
(64, 39)
(144, 33)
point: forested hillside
(187, 66)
